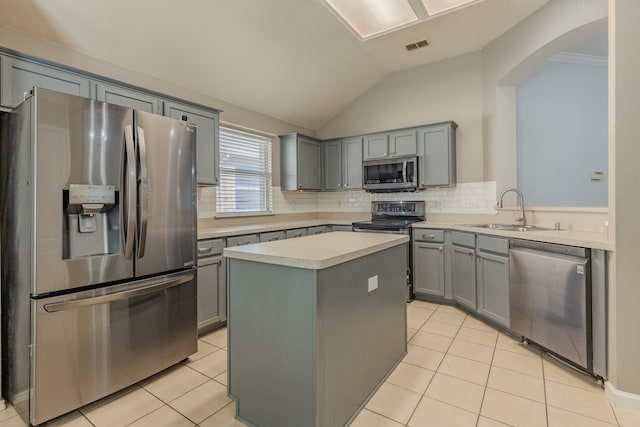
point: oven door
(399, 174)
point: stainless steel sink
(507, 227)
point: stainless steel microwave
(386, 175)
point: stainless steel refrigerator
(98, 226)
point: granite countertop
(587, 239)
(318, 251)
(216, 232)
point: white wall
(446, 90)
(624, 284)
(562, 135)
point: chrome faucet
(520, 219)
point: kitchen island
(315, 325)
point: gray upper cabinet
(397, 143)
(437, 151)
(128, 98)
(376, 146)
(300, 163)
(19, 77)
(342, 164)
(352, 163)
(332, 165)
(207, 145)
(402, 143)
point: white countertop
(587, 239)
(318, 251)
(216, 232)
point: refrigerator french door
(99, 243)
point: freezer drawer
(93, 343)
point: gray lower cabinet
(212, 285)
(271, 236)
(342, 164)
(429, 262)
(492, 275)
(119, 95)
(295, 232)
(463, 274)
(317, 229)
(437, 153)
(300, 161)
(207, 144)
(246, 239)
(340, 227)
(18, 77)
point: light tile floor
(458, 372)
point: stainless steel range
(395, 217)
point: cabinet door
(402, 143)
(376, 146)
(212, 296)
(128, 98)
(309, 176)
(332, 161)
(464, 276)
(317, 229)
(428, 269)
(206, 121)
(437, 154)
(352, 163)
(19, 77)
(493, 287)
(295, 232)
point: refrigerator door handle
(145, 287)
(144, 197)
(130, 183)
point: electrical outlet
(373, 283)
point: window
(245, 173)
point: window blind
(245, 173)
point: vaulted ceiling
(289, 59)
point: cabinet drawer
(242, 240)
(272, 236)
(493, 244)
(318, 229)
(296, 232)
(428, 235)
(340, 227)
(463, 239)
(210, 247)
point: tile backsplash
(465, 198)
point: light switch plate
(373, 283)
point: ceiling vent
(417, 45)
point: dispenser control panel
(83, 194)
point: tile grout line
(486, 386)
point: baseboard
(621, 399)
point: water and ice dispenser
(91, 223)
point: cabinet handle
(299, 185)
(428, 236)
(204, 250)
(440, 248)
(273, 239)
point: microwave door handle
(144, 196)
(130, 188)
(404, 172)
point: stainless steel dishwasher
(550, 298)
